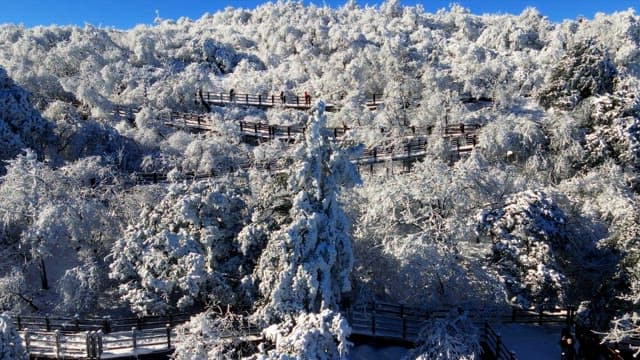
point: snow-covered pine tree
(585, 70)
(527, 231)
(305, 267)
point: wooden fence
(96, 344)
(154, 337)
(106, 324)
(272, 100)
(399, 323)
(492, 344)
(259, 100)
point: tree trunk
(43, 275)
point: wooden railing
(106, 324)
(402, 323)
(49, 337)
(96, 344)
(260, 100)
(493, 344)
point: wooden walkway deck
(73, 338)
(285, 101)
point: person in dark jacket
(567, 347)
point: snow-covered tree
(526, 232)
(584, 71)
(320, 336)
(213, 335)
(21, 125)
(453, 337)
(182, 253)
(10, 342)
(306, 266)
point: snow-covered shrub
(450, 338)
(14, 295)
(212, 335)
(79, 288)
(10, 342)
(510, 134)
(321, 336)
(527, 231)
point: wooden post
(106, 326)
(246, 99)
(374, 99)
(76, 321)
(273, 99)
(47, 323)
(57, 335)
(241, 125)
(373, 321)
(133, 337)
(27, 341)
(98, 344)
(88, 343)
(297, 100)
(259, 99)
(404, 327)
(168, 328)
(540, 317)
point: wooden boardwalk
(73, 338)
(285, 101)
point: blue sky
(124, 14)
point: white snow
(531, 341)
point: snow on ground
(370, 352)
(531, 341)
(528, 341)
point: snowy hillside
(538, 210)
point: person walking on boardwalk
(569, 352)
(282, 97)
(232, 92)
(307, 98)
(567, 349)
